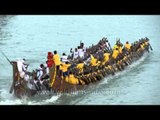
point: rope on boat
(53, 77)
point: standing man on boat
(127, 46)
(74, 53)
(64, 58)
(80, 52)
(56, 59)
(22, 68)
(50, 61)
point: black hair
(41, 65)
(55, 52)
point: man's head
(55, 52)
(41, 65)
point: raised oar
(6, 57)
(12, 86)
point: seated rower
(147, 44)
(65, 67)
(127, 46)
(45, 83)
(43, 72)
(115, 54)
(37, 84)
(120, 48)
(72, 79)
(80, 66)
(106, 57)
(93, 61)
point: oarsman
(37, 84)
(65, 67)
(148, 44)
(127, 46)
(80, 66)
(115, 54)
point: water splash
(9, 99)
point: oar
(6, 57)
(80, 42)
(150, 46)
(12, 86)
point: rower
(72, 79)
(80, 66)
(115, 54)
(37, 84)
(106, 57)
(108, 46)
(93, 61)
(42, 72)
(65, 67)
(148, 44)
(127, 46)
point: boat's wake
(9, 99)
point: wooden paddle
(12, 86)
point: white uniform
(64, 58)
(81, 53)
(107, 44)
(75, 54)
(21, 66)
(84, 49)
(39, 73)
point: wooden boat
(20, 88)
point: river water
(32, 36)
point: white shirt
(81, 53)
(39, 73)
(20, 65)
(47, 70)
(85, 49)
(64, 58)
(107, 44)
(75, 54)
